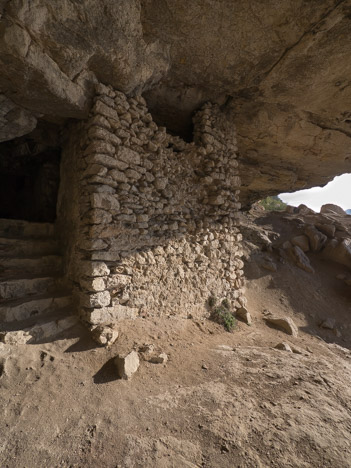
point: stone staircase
(35, 305)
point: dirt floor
(222, 399)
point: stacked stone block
(156, 231)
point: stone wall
(150, 221)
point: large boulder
(338, 251)
(329, 208)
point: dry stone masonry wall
(150, 220)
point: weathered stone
(104, 160)
(328, 323)
(267, 263)
(104, 335)
(97, 216)
(99, 146)
(128, 156)
(102, 134)
(103, 109)
(118, 176)
(127, 365)
(301, 260)
(284, 347)
(108, 315)
(333, 209)
(338, 251)
(327, 229)
(284, 323)
(93, 284)
(302, 242)
(93, 269)
(317, 240)
(95, 170)
(118, 281)
(304, 210)
(160, 359)
(161, 183)
(105, 201)
(132, 174)
(98, 299)
(243, 313)
(93, 244)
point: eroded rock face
(279, 69)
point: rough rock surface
(280, 69)
(285, 323)
(127, 365)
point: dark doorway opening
(29, 181)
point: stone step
(42, 330)
(15, 288)
(10, 247)
(18, 228)
(34, 306)
(31, 265)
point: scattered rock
(290, 209)
(245, 315)
(316, 238)
(160, 359)
(304, 210)
(224, 348)
(302, 242)
(146, 349)
(338, 251)
(268, 264)
(127, 365)
(284, 346)
(327, 229)
(285, 323)
(301, 259)
(104, 335)
(333, 209)
(329, 324)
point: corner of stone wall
(151, 222)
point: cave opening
(336, 192)
(29, 178)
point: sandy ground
(222, 399)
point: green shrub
(273, 204)
(222, 313)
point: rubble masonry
(149, 221)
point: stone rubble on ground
(284, 347)
(245, 315)
(104, 335)
(329, 323)
(284, 323)
(127, 365)
(160, 359)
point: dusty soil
(222, 400)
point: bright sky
(338, 192)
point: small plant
(273, 204)
(222, 313)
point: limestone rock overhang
(280, 69)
